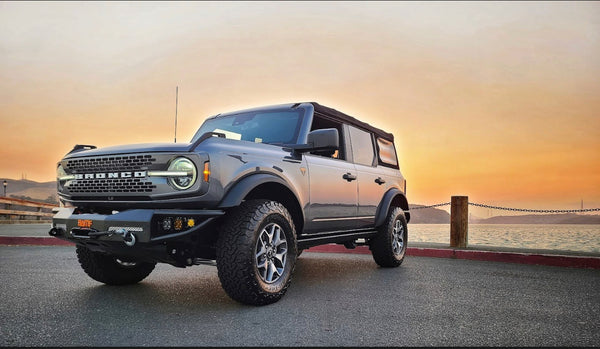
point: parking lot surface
(334, 300)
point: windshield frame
(300, 124)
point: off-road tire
(388, 251)
(111, 270)
(237, 257)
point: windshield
(272, 127)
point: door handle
(380, 181)
(349, 177)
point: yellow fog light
(178, 224)
(191, 222)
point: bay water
(562, 237)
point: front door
(333, 194)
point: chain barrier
(534, 211)
(513, 209)
(430, 206)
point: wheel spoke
(270, 271)
(276, 238)
(262, 264)
(271, 233)
(260, 253)
(282, 245)
(281, 258)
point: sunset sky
(499, 101)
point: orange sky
(497, 101)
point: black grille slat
(128, 185)
(110, 163)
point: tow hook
(56, 232)
(128, 237)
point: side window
(362, 146)
(321, 123)
(387, 153)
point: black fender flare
(236, 194)
(386, 202)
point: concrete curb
(478, 255)
(33, 240)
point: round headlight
(183, 165)
(60, 172)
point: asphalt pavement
(334, 300)
(34, 229)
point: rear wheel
(112, 270)
(256, 252)
(389, 245)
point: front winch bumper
(130, 226)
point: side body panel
(333, 199)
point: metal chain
(534, 211)
(513, 209)
(430, 206)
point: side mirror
(324, 139)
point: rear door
(372, 184)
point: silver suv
(248, 193)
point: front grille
(117, 185)
(110, 163)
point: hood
(133, 148)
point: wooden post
(9, 207)
(459, 221)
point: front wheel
(256, 252)
(389, 245)
(112, 270)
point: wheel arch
(266, 186)
(393, 197)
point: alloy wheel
(271, 253)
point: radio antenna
(176, 102)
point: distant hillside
(428, 215)
(566, 218)
(29, 190)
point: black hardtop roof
(321, 109)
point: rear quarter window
(362, 146)
(386, 153)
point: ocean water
(565, 237)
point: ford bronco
(251, 190)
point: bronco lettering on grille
(136, 174)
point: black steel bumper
(129, 227)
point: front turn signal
(206, 171)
